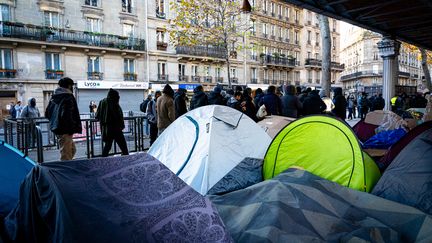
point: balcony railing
(280, 38)
(264, 35)
(254, 81)
(161, 46)
(220, 79)
(183, 78)
(162, 78)
(404, 74)
(279, 61)
(266, 81)
(130, 76)
(360, 74)
(272, 37)
(309, 80)
(312, 62)
(127, 8)
(7, 73)
(202, 51)
(208, 79)
(254, 57)
(317, 81)
(234, 80)
(274, 81)
(196, 79)
(53, 74)
(95, 76)
(93, 3)
(55, 35)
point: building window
(51, 19)
(309, 36)
(334, 43)
(162, 76)
(6, 59)
(265, 6)
(253, 74)
(309, 54)
(128, 30)
(218, 72)
(160, 35)
(273, 30)
(127, 6)
(160, 9)
(280, 10)
(253, 27)
(280, 33)
(287, 13)
(182, 69)
(93, 3)
(297, 15)
(233, 72)
(265, 29)
(5, 12)
(194, 70)
(334, 25)
(93, 25)
(52, 61)
(272, 8)
(296, 37)
(94, 64)
(317, 55)
(129, 65)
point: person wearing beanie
(110, 115)
(180, 102)
(64, 119)
(165, 109)
(199, 98)
(215, 97)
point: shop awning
(406, 20)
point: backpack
(150, 116)
(54, 113)
(143, 106)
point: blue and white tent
(205, 144)
(14, 166)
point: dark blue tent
(14, 166)
(119, 199)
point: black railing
(202, 51)
(196, 79)
(93, 3)
(266, 81)
(254, 81)
(312, 62)
(183, 78)
(34, 138)
(127, 8)
(234, 80)
(7, 73)
(220, 79)
(160, 15)
(95, 76)
(404, 74)
(162, 78)
(50, 34)
(53, 74)
(360, 74)
(208, 79)
(130, 76)
(278, 61)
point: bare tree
(211, 23)
(326, 54)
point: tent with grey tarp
(408, 179)
(297, 206)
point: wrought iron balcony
(56, 35)
(53, 74)
(161, 46)
(162, 78)
(317, 63)
(95, 76)
(208, 79)
(220, 79)
(234, 80)
(274, 81)
(317, 81)
(130, 76)
(360, 74)
(196, 79)
(7, 73)
(254, 81)
(202, 51)
(127, 8)
(309, 80)
(254, 57)
(183, 78)
(404, 74)
(270, 60)
(266, 81)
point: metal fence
(34, 137)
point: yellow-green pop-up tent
(324, 146)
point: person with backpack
(110, 116)
(152, 117)
(64, 119)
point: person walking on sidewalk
(63, 114)
(110, 116)
(165, 109)
(152, 117)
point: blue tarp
(14, 166)
(385, 139)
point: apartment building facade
(364, 66)
(97, 43)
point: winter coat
(313, 104)
(378, 103)
(340, 104)
(30, 111)
(257, 101)
(198, 99)
(250, 108)
(165, 111)
(180, 105)
(235, 104)
(110, 114)
(291, 105)
(272, 103)
(69, 122)
(215, 98)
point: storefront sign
(188, 87)
(161, 86)
(100, 84)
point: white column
(389, 51)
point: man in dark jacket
(313, 104)
(272, 102)
(110, 115)
(62, 111)
(258, 96)
(291, 104)
(199, 98)
(180, 102)
(340, 104)
(378, 103)
(215, 97)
